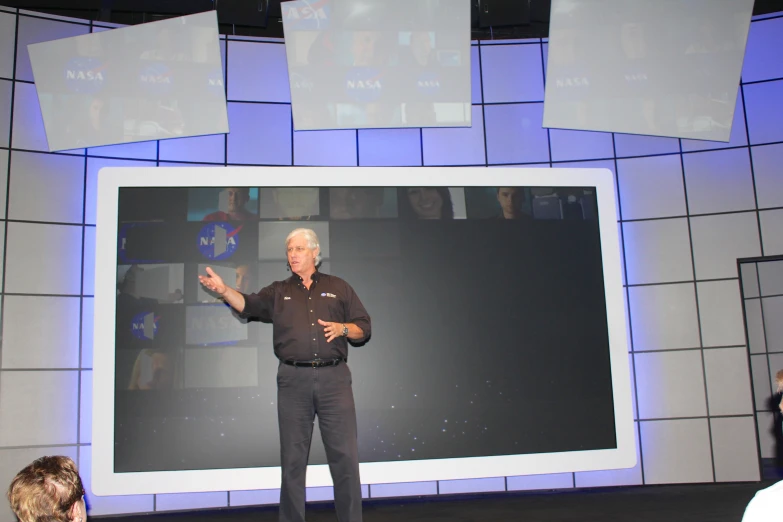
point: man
(314, 315)
(511, 200)
(235, 200)
(48, 489)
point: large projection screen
(150, 81)
(498, 347)
(661, 68)
(378, 64)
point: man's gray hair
(310, 237)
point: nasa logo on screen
(363, 84)
(428, 83)
(85, 75)
(218, 241)
(215, 82)
(300, 82)
(572, 77)
(156, 78)
(309, 17)
(122, 243)
(144, 326)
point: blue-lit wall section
(688, 210)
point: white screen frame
(106, 482)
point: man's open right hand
(213, 282)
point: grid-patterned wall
(762, 295)
(688, 210)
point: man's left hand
(331, 330)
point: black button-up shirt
(294, 312)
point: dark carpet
(698, 503)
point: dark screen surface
(489, 328)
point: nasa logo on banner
(144, 326)
(428, 83)
(363, 84)
(85, 75)
(218, 241)
(313, 16)
(156, 78)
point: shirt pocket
(334, 309)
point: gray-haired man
(314, 316)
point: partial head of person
(237, 198)
(427, 203)
(244, 279)
(779, 383)
(303, 251)
(511, 200)
(128, 283)
(48, 490)
(355, 202)
(364, 202)
(421, 46)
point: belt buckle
(314, 363)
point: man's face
(237, 198)
(510, 200)
(300, 256)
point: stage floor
(695, 503)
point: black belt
(315, 363)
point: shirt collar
(298, 279)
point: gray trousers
(303, 393)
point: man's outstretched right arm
(234, 299)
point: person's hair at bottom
(46, 490)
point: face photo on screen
(365, 48)
(417, 49)
(362, 203)
(425, 203)
(223, 204)
(290, 203)
(244, 279)
(85, 118)
(162, 283)
(153, 370)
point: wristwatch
(345, 331)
